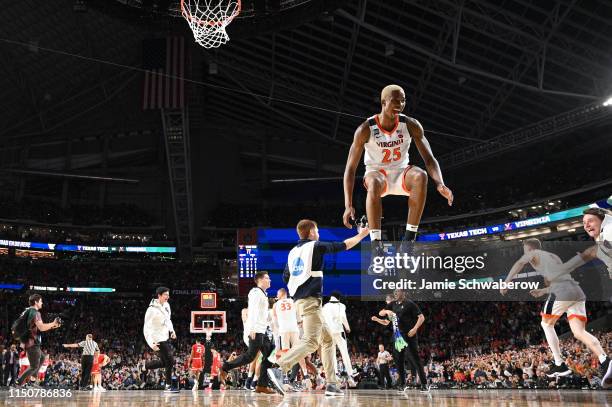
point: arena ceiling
(472, 69)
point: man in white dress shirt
(257, 323)
(334, 313)
(157, 330)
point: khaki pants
(316, 334)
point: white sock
(412, 228)
(375, 234)
(553, 342)
(602, 358)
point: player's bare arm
(516, 268)
(589, 254)
(381, 321)
(579, 259)
(539, 292)
(362, 134)
(431, 164)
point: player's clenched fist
(349, 214)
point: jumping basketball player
(597, 223)
(564, 296)
(385, 138)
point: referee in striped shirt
(89, 348)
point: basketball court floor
(353, 398)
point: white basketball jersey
(549, 266)
(604, 243)
(286, 316)
(387, 150)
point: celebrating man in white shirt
(257, 322)
(158, 329)
(334, 313)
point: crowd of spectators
(518, 367)
(482, 345)
(133, 276)
(478, 200)
(49, 212)
(83, 235)
(46, 221)
(329, 214)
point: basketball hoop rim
(187, 14)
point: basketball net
(208, 19)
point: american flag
(164, 63)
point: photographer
(87, 358)
(31, 341)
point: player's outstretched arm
(580, 259)
(381, 321)
(433, 168)
(362, 134)
(70, 345)
(516, 268)
(353, 241)
(46, 326)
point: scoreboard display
(208, 300)
(247, 261)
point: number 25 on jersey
(391, 155)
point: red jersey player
(196, 362)
(100, 360)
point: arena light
(608, 102)
(90, 289)
(8, 286)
